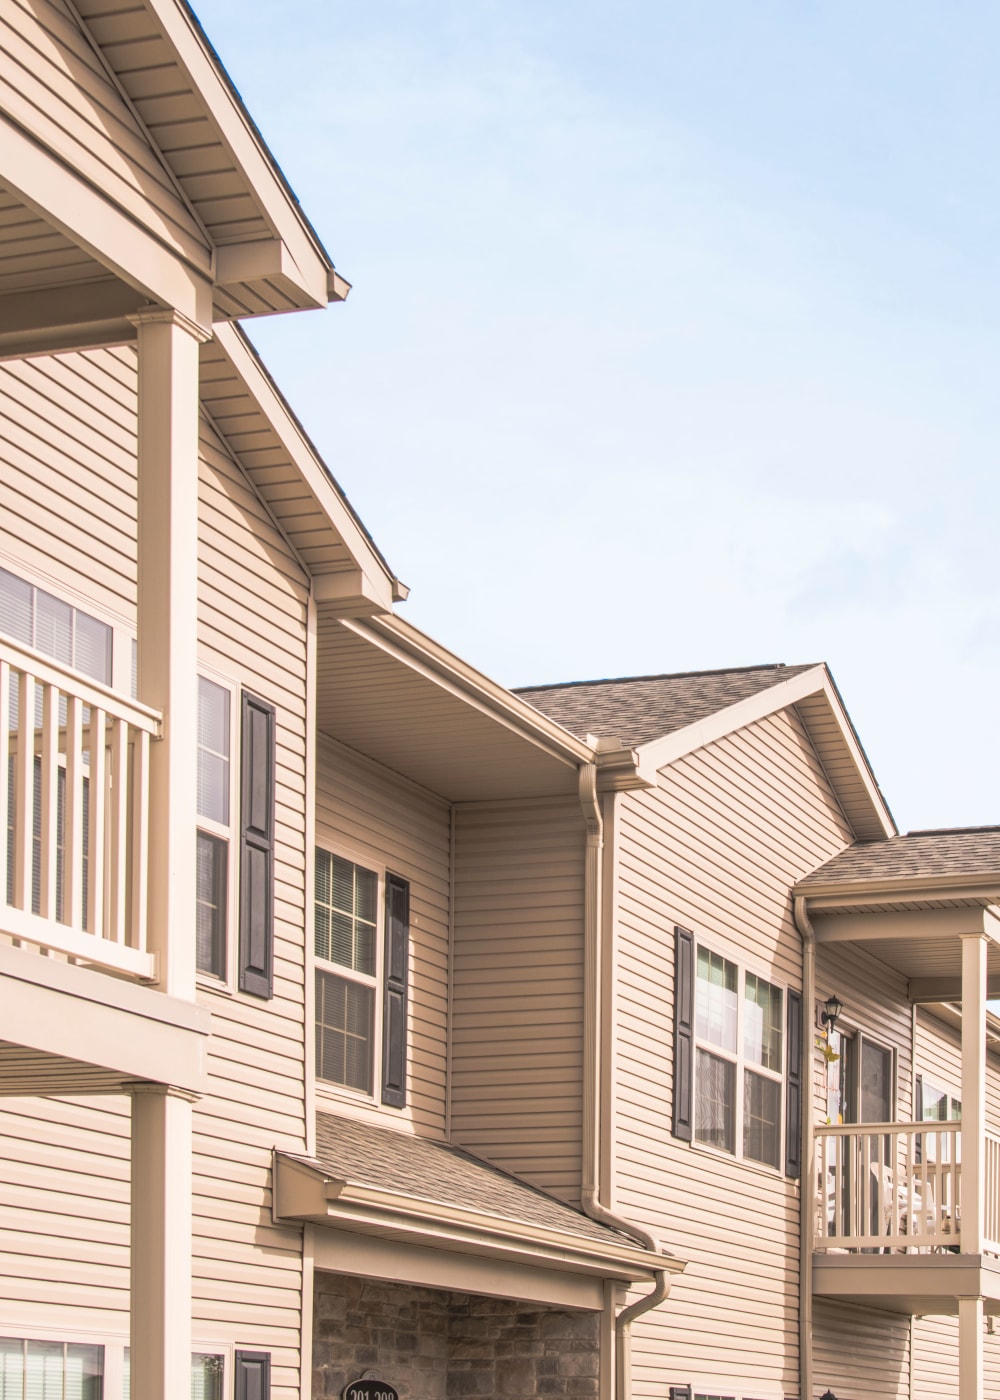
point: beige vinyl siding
(714, 848)
(57, 87)
(68, 474)
(860, 1352)
(253, 597)
(368, 814)
(517, 1019)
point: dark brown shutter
(683, 1033)
(253, 1375)
(257, 741)
(680, 1392)
(793, 1087)
(397, 939)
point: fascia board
(418, 651)
(660, 753)
(111, 236)
(927, 889)
(375, 576)
(353, 1204)
(239, 134)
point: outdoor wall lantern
(829, 1394)
(834, 1006)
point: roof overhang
(391, 693)
(304, 1192)
(817, 700)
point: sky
(673, 338)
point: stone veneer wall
(435, 1345)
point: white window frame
(114, 1345)
(376, 864)
(122, 631)
(739, 1060)
(228, 832)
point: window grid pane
(345, 918)
(716, 1009)
(213, 752)
(212, 888)
(761, 1118)
(345, 1018)
(762, 1023)
(715, 1102)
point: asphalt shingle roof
(639, 709)
(444, 1175)
(973, 851)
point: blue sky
(673, 339)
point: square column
(970, 1347)
(974, 947)
(160, 1329)
(168, 627)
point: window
(40, 620)
(214, 805)
(32, 1370)
(361, 978)
(208, 1371)
(738, 1043)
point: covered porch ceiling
(393, 695)
(923, 944)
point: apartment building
(359, 1016)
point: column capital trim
(168, 1091)
(168, 315)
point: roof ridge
(667, 676)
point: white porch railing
(890, 1186)
(74, 805)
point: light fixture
(834, 1006)
(829, 1394)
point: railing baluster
(118, 831)
(24, 791)
(97, 805)
(73, 817)
(49, 822)
(140, 837)
(6, 896)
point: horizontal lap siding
(860, 1353)
(368, 814)
(64, 1214)
(715, 849)
(68, 474)
(517, 1021)
(252, 599)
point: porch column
(970, 1346)
(973, 1090)
(167, 627)
(160, 1328)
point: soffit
(937, 958)
(392, 709)
(34, 255)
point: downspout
(808, 1176)
(592, 1103)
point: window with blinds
(214, 828)
(32, 1370)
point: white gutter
(594, 1109)
(808, 1168)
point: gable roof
(921, 855)
(639, 709)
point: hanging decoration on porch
(370, 1386)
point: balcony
(889, 1216)
(75, 808)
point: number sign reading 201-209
(369, 1389)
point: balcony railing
(893, 1187)
(74, 803)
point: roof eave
(304, 1191)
